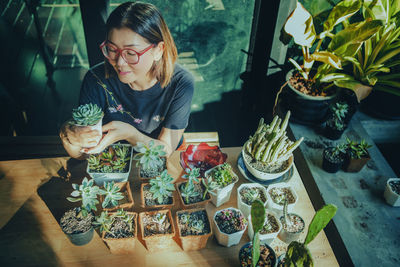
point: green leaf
(300, 26)
(255, 251)
(328, 58)
(75, 193)
(257, 215)
(340, 12)
(349, 40)
(375, 9)
(74, 199)
(361, 90)
(297, 254)
(320, 220)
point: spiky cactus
(87, 115)
(269, 144)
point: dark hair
(145, 20)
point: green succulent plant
(113, 159)
(105, 220)
(188, 190)
(86, 193)
(87, 115)
(209, 185)
(197, 226)
(357, 150)
(149, 156)
(112, 194)
(162, 187)
(339, 111)
(222, 175)
(251, 195)
(125, 217)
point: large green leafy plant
(372, 65)
(112, 194)
(297, 253)
(341, 42)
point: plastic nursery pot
(192, 205)
(193, 242)
(117, 177)
(81, 239)
(354, 165)
(157, 242)
(224, 239)
(122, 245)
(245, 255)
(146, 178)
(220, 196)
(245, 208)
(264, 176)
(268, 238)
(124, 187)
(70, 224)
(333, 133)
(163, 206)
(329, 164)
(392, 192)
(294, 231)
(278, 208)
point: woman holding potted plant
(144, 95)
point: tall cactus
(269, 144)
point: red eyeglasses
(130, 56)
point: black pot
(81, 238)
(330, 165)
(382, 105)
(349, 97)
(332, 132)
(243, 254)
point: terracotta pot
(193, 242)
(124, 186)
(122, 245)
(355, 165)
(158, 242)
(192, 205)
(166, 206)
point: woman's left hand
(115, 131)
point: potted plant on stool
(118, 230)
(150, 159)
(77, 223)
(333, 158)
(335, 126)
(194, 228)
(356, 155)
(192, 192)
(158, 193)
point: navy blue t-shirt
(148, 110)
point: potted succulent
(76, 223)
(277, 194)
(225, 178)
(150, 159)
(392, 192)
(158, 193)
(268, 153)
(270, 230)
(257, 252)
(297, 253)
(229, 226)
(157, 229)
(292, 225)
(88, 115)
(311, 91)
(333, 158)
(113, 164)
(118, 230)
(356, 155)
(247, 194)
(116, 196)
(192, 192)
(193, 228)
(335, 126)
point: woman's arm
(117, 130)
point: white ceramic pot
(391, 197)
(277, 208)
(227, 240)
(267, 238)
(244, 208)
(288, 237)
(221, 195)
(265, 176)
(100, 178)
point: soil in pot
(247, 192)
(199, 187)
(153, 225)
(267, 256)
(186, 220)
(278, 195)
(295, 225)
(126, 202)
(308, 87)
(149, 200)
(267, 168)
(271, 225)
(332, 162)
(395, 186)
(120, 229)
(71, 224)
(150, 173)
(230, 221)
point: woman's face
(133, 73)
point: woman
(144, 95)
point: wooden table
(30, 234)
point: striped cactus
(87, 115)
(269, 144)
